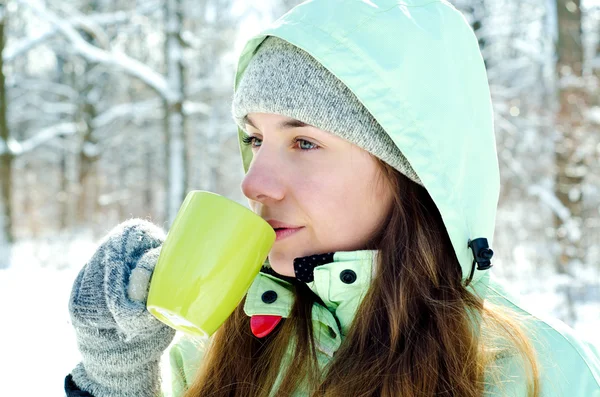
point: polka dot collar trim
(304, 267)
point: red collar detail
(262, 325)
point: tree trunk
(570, 166)
(6, 161)
(148, 188)
(597, 65)
(174, 116)
(64, 195)
(87, 161)
(88, 149)
(213, 149)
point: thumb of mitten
(139, 280)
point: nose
(264, 181)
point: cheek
(341, 206)
(320, 194)
(344, 204)
(361, 202)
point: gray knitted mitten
(120, 341)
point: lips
(283, 233)
(282, 229)
(275, 224)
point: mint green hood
(416, 66)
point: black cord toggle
(482, 254)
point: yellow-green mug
(212, 253)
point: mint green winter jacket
(416, 66)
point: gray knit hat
(284, 79)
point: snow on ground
(38, 342)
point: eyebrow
(286, 124)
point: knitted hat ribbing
(284, 79)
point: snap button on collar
(348, 276)
(331, 332)
(269, 296)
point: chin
(282, 266)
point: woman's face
(328, 192)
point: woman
(367, 139)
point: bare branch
(82, 21)
(22, 47)
(131, 66)
(40, 137)
(126, 109)
(44, 86)
(192, 108)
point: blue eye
(305, 145)
(251, 141)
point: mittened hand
(120, 342)
(100, 297)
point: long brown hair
(417, 332)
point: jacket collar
(340, 284)
(339, 279)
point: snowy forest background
(115, 109)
